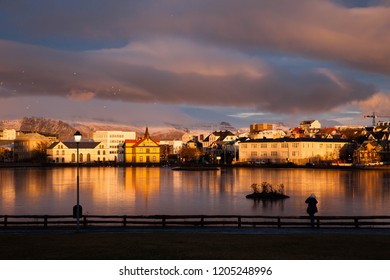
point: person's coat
(311, 205)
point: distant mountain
(66, 129)
(58, 127)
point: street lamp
(77, 209)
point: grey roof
(73, 145)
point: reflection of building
(65, 152)
(144, 150)
(113, 140)
(298, 151)
(30, 146)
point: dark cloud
(29, 70)
(316, 28)
(206, 52)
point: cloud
(379, 103)
(323, 29)
(76, 95)
(198, 75)
(206, 52)
(246, 115)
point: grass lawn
(187, 246)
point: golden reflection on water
(150, 191)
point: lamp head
(77, 136)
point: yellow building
(144, 150)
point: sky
(189, 63)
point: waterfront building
(144, 150)
(296, 150)
(8, 134)
(66, 152)
(114, 141)
(30, 146)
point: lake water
(149, 191)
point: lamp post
(77, 139)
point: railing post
(85, 221)
(318, 221)
(202, 221)
(279, 223)
(124, 221)
(239, 221)
(163, 221)
(5, 220)
(45, 221)
(356, 221)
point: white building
(176, 145)
(310, 125)
(269, 134)
(220, 137)
(8, 134)
(114, 141)
(299, 151)
(65, 152)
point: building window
(274, 145)
(284, 145)
(274, 154)
(141, 158)
(253, 154)
(254, 146)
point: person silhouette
(311, 207)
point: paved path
(362, 231)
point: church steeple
(146, 135)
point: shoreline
(177, 167)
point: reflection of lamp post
(77, 139)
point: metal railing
(237, 221)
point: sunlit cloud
(379, 102)
(76, 95)
(246, 115)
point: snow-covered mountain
(66, 129)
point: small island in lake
(267, 192)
